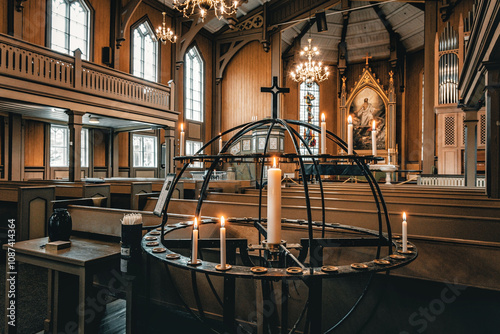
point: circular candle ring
(150, 238)
(173, 256)
(405, 252)
(197, 263)
(155, 233)
(258, 270)
(152, 243)
(183, 223)
(219, 267)
(158, 229)
(382, 262)
(396, 237)
(397, 256)
(159, 250)
(359, 266)
(329, 269)
(171, 225)
(294, 270)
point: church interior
(256, 166)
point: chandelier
(310, 71)
(163, 34)
(220, 7)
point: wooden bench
(29, 206)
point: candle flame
(323, 117)
(182, 126)
(404, 216)
(373, 125)
(222, 221)
(195, 226)
(349, 119)
(274, 162)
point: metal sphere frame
(308, 273)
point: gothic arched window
(70, 27)
(193, 85)
(144, 52)
(309, 113)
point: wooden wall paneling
(328, 105)
(205, 47)
(415, 66)
(291, 106)
(101, 27)
(100, 148)
(4, 15)
(123, 152)
(248, 71)
(34, 140)
(34, 14)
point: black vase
(60, 225)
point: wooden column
(492, 76)
(470, 147)
(169, 150)
(116, 154)
(217, 113)
(75, 144)
(15, 19)
(16, 147)
(429, 116)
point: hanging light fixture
(220, 7)
(165, 34)
(310, 71)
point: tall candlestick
(274, 204)
(323, 134)
(349, 135)
(374, 139)
(220, 142)
(404, 238)
(194, 250)
(181, 141)
(222, 243)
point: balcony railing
(34, 63)
(447, 180)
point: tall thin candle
(274, 204)
(404, 238)
(220, 142)
(349, 135)
(194, 250)
(323, 134)
(374, 139)
(181, 141)
(222, 243)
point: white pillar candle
(194, 250)
(374, 139)
(220, 142)
(349, 135)
(222, 243)
(404, 238)
(323, 134)
(181, 141)
(274, 204)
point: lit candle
(220, 142)
(222, 243)
(374, 139)
(404, 238)
(274, 204)
(349, 135)
(181, 141)
(194, 250)
(323, 134)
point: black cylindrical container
(60, 225)
(131, 245)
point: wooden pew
(30, 206)
(192, 188)
(123, 193)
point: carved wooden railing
(447, 180)
(34, 63)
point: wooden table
(83, 259)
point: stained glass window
(309, 113)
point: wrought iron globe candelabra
(301, 260)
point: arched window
(309, 113)
(144, 52)
(70, 27)
(193, 85)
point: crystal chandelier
(310, 71)
(164, 34)
(220, 7)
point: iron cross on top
(275, 90)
